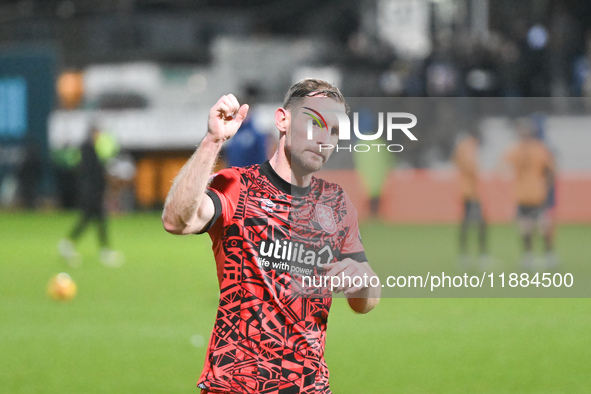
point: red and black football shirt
(266, 233)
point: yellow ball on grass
(62, 287)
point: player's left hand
(350, 269)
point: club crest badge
(326, 218)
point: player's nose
(323, 137)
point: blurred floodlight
(537, 37)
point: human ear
(282, 119)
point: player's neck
(283, 168)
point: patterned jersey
(267, 235)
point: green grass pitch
(143, 328)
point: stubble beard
(299, 164)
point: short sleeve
(224, 191)
(352, 247)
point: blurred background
(146, 72)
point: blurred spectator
(93, 185)
(249, 145)
(563, 48)
(441, 72)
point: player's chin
(316, 165)
(311, 162)
(318, 158)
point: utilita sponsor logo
(293, 257)
(393, 124)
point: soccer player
(465, 158)
(533, 166)
(93, 186)
(269, 223)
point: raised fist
(225, 118)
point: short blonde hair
(310, 87)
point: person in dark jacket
(92, 188)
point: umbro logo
(267, 205)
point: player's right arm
(188, 209)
